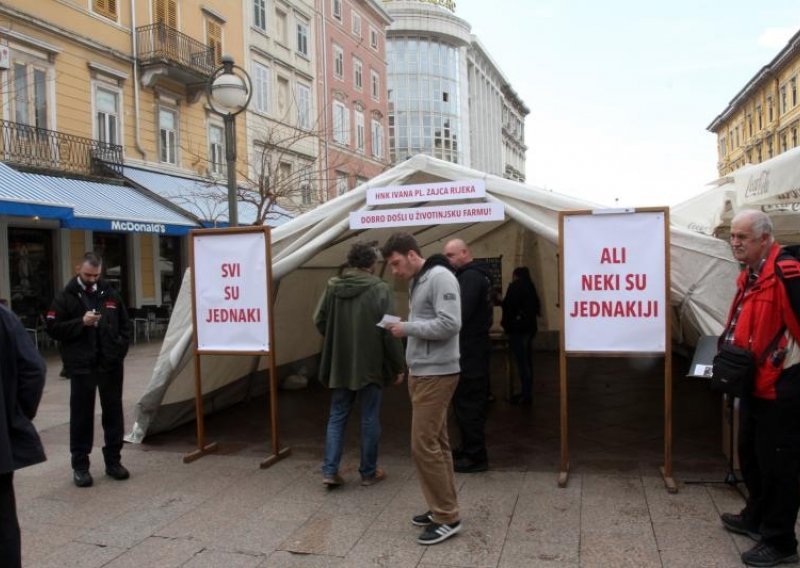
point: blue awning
(79, 204)
(205, 198)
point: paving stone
(218, 559)
(385, 549)
(78, 555)
(698, 544)
(327, 534)
(629, 548)
(157, 552)
(283, 559)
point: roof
(206, 198)
(80, 204)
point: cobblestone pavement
(223, 511)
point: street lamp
(228, 92)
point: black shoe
(82, 478)
(422, 520)
(466, 465)
(117, 471)
(763, 554)
(436, 533)
(736, 524)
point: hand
(398, 380)
(91, 319)
(397, 329)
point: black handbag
(734, 370)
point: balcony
(41, 150)
(163, 51)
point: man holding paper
(359, 357)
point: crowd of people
(442, 350)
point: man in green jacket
(358, 359)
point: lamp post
(228, 92)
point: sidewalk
(223, 511)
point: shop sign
(134, 227)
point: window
(377, 139)
(356, 24)
(338, 62)
(373, 38)
(769, 110)
(30, 95)
(793, 86)
(794, 137)
(722, 147)
(166, 11)
(341, 183)
(214, 40)
(784, 146)
(360, 131)
(302, 38)
(783, 99)
(262, 80)
(375, 82)
(336, 9)
(280, 26)
(303, 107)
(306, 191)
(107, 114)
(758, 115)
(260, 14)
(107, 8)
(358, 72)
(216, 149)
(168, 136)
(340, 123)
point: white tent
(772, 186)
(310, 248)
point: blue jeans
(341, 404)
(522, 347)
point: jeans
(341, 404)
(522, 347)
(430, 446)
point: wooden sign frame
(203, 448)
(666, 469)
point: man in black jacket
(90, 322)
(22, 376)
(470, 400)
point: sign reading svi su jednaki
(231, 287)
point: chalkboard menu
(496, 268)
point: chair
(140, 324)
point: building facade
(763, 119)
(447, 97)
(94, 91)
(282, 123)
(352, 93)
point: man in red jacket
(764, 319)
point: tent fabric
(772, 186)
(308, 249)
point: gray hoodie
(434, 321)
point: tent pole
(202, 448)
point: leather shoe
(117, 471)
(763, 554)
(82, 478)
(466, 465)
(739, 525)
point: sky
(621, 92)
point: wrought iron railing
(161, 43)
(41, 149)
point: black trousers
(769, 455)
(470, 404)
(10, 554)
(81, 415)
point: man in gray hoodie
(432, 355)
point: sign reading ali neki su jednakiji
(470, 212)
